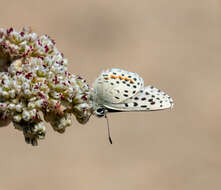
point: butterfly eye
(100, 112)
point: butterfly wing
(147, 99)
(114, 86)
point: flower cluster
(35, 83)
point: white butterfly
(117, 90)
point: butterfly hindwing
(147, 99)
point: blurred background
(175, 46)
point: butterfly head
(100, 111)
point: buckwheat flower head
(35, 84)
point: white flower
(34, 78)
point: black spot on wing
(143, 106)
(135, 104)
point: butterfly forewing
(116, 85)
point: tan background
(175, 46)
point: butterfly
(117, 90)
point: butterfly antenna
(108, 129)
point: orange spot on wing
(113, 77)
(105, 77)
(120, 77)
(128, 79)
(131, 81)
